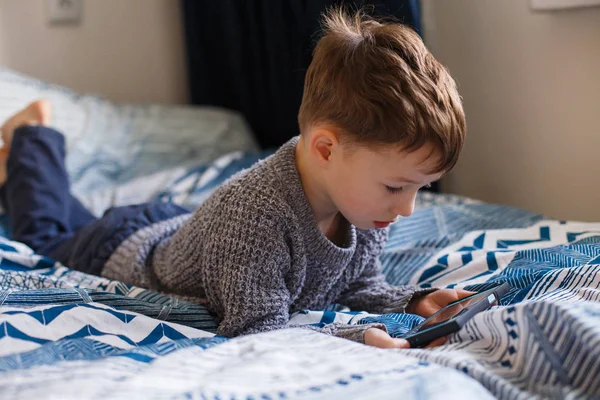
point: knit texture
(254, 252)
(129, 261)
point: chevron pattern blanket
(64, 334)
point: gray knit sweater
(253, 254)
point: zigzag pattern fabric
(72, 335)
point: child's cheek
(362, 203)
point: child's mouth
(380, 224)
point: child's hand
(424, 306)
(379, 338)
(428, 305)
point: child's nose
(405, 208)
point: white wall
(2, 61)
(531, 88)
(127, 50)
(530, 83)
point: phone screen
(453, 309)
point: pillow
(110, 143)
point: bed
(65, 334)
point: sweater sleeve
(370, 291)
(250, 280)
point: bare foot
(3, 160)
(36, 113)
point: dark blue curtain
(251, 55)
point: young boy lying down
(302, 229)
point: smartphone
(452, 317)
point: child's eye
(393, 189)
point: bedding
(65, 334)
(110, 143)
(73, 335)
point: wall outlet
(64, 11)
(562, 4)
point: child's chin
(363, 225)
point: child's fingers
(401, 344)
(379, 338)
(436, 343)
(464, 293)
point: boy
(380, 118)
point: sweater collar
(317, 243)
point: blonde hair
(379, 85)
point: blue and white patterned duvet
(65, 334)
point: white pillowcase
(109, 143)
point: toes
(40, 111)
(36, 113)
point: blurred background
(528, 72)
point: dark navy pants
(46, 217)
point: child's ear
(322, 143)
